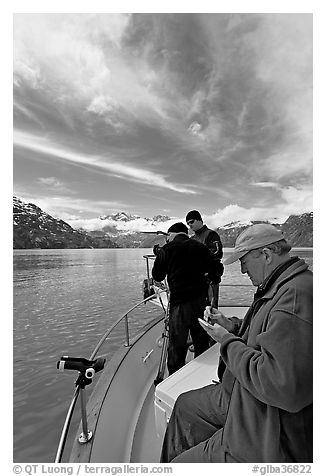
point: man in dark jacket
(261, 411)
(185, 262)
(212, 240)
(203, 234)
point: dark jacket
(185, 263)
(211, 239)
(269, 376)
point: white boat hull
(117, 407)
(121, 409)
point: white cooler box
(197, 373)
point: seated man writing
(261, 410)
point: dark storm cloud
(213, 105)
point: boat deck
(146, 449)
(127, 414)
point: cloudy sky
(162, 113)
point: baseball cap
(253, 237)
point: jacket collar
(269, 287)
(203, 228)
(279, 276)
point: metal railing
(86, 435)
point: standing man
(203, 234)
(261, 411)
(185, 262)
(212, 240)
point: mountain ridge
(34, 228)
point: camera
(156, 249)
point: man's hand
(213, 316)
(216, 331)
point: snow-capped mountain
(126, 217)
(126, 228)
(121, 216)
(33, 228)
(161, 218)
(236, 224)
(297, 229)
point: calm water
(64, 300)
